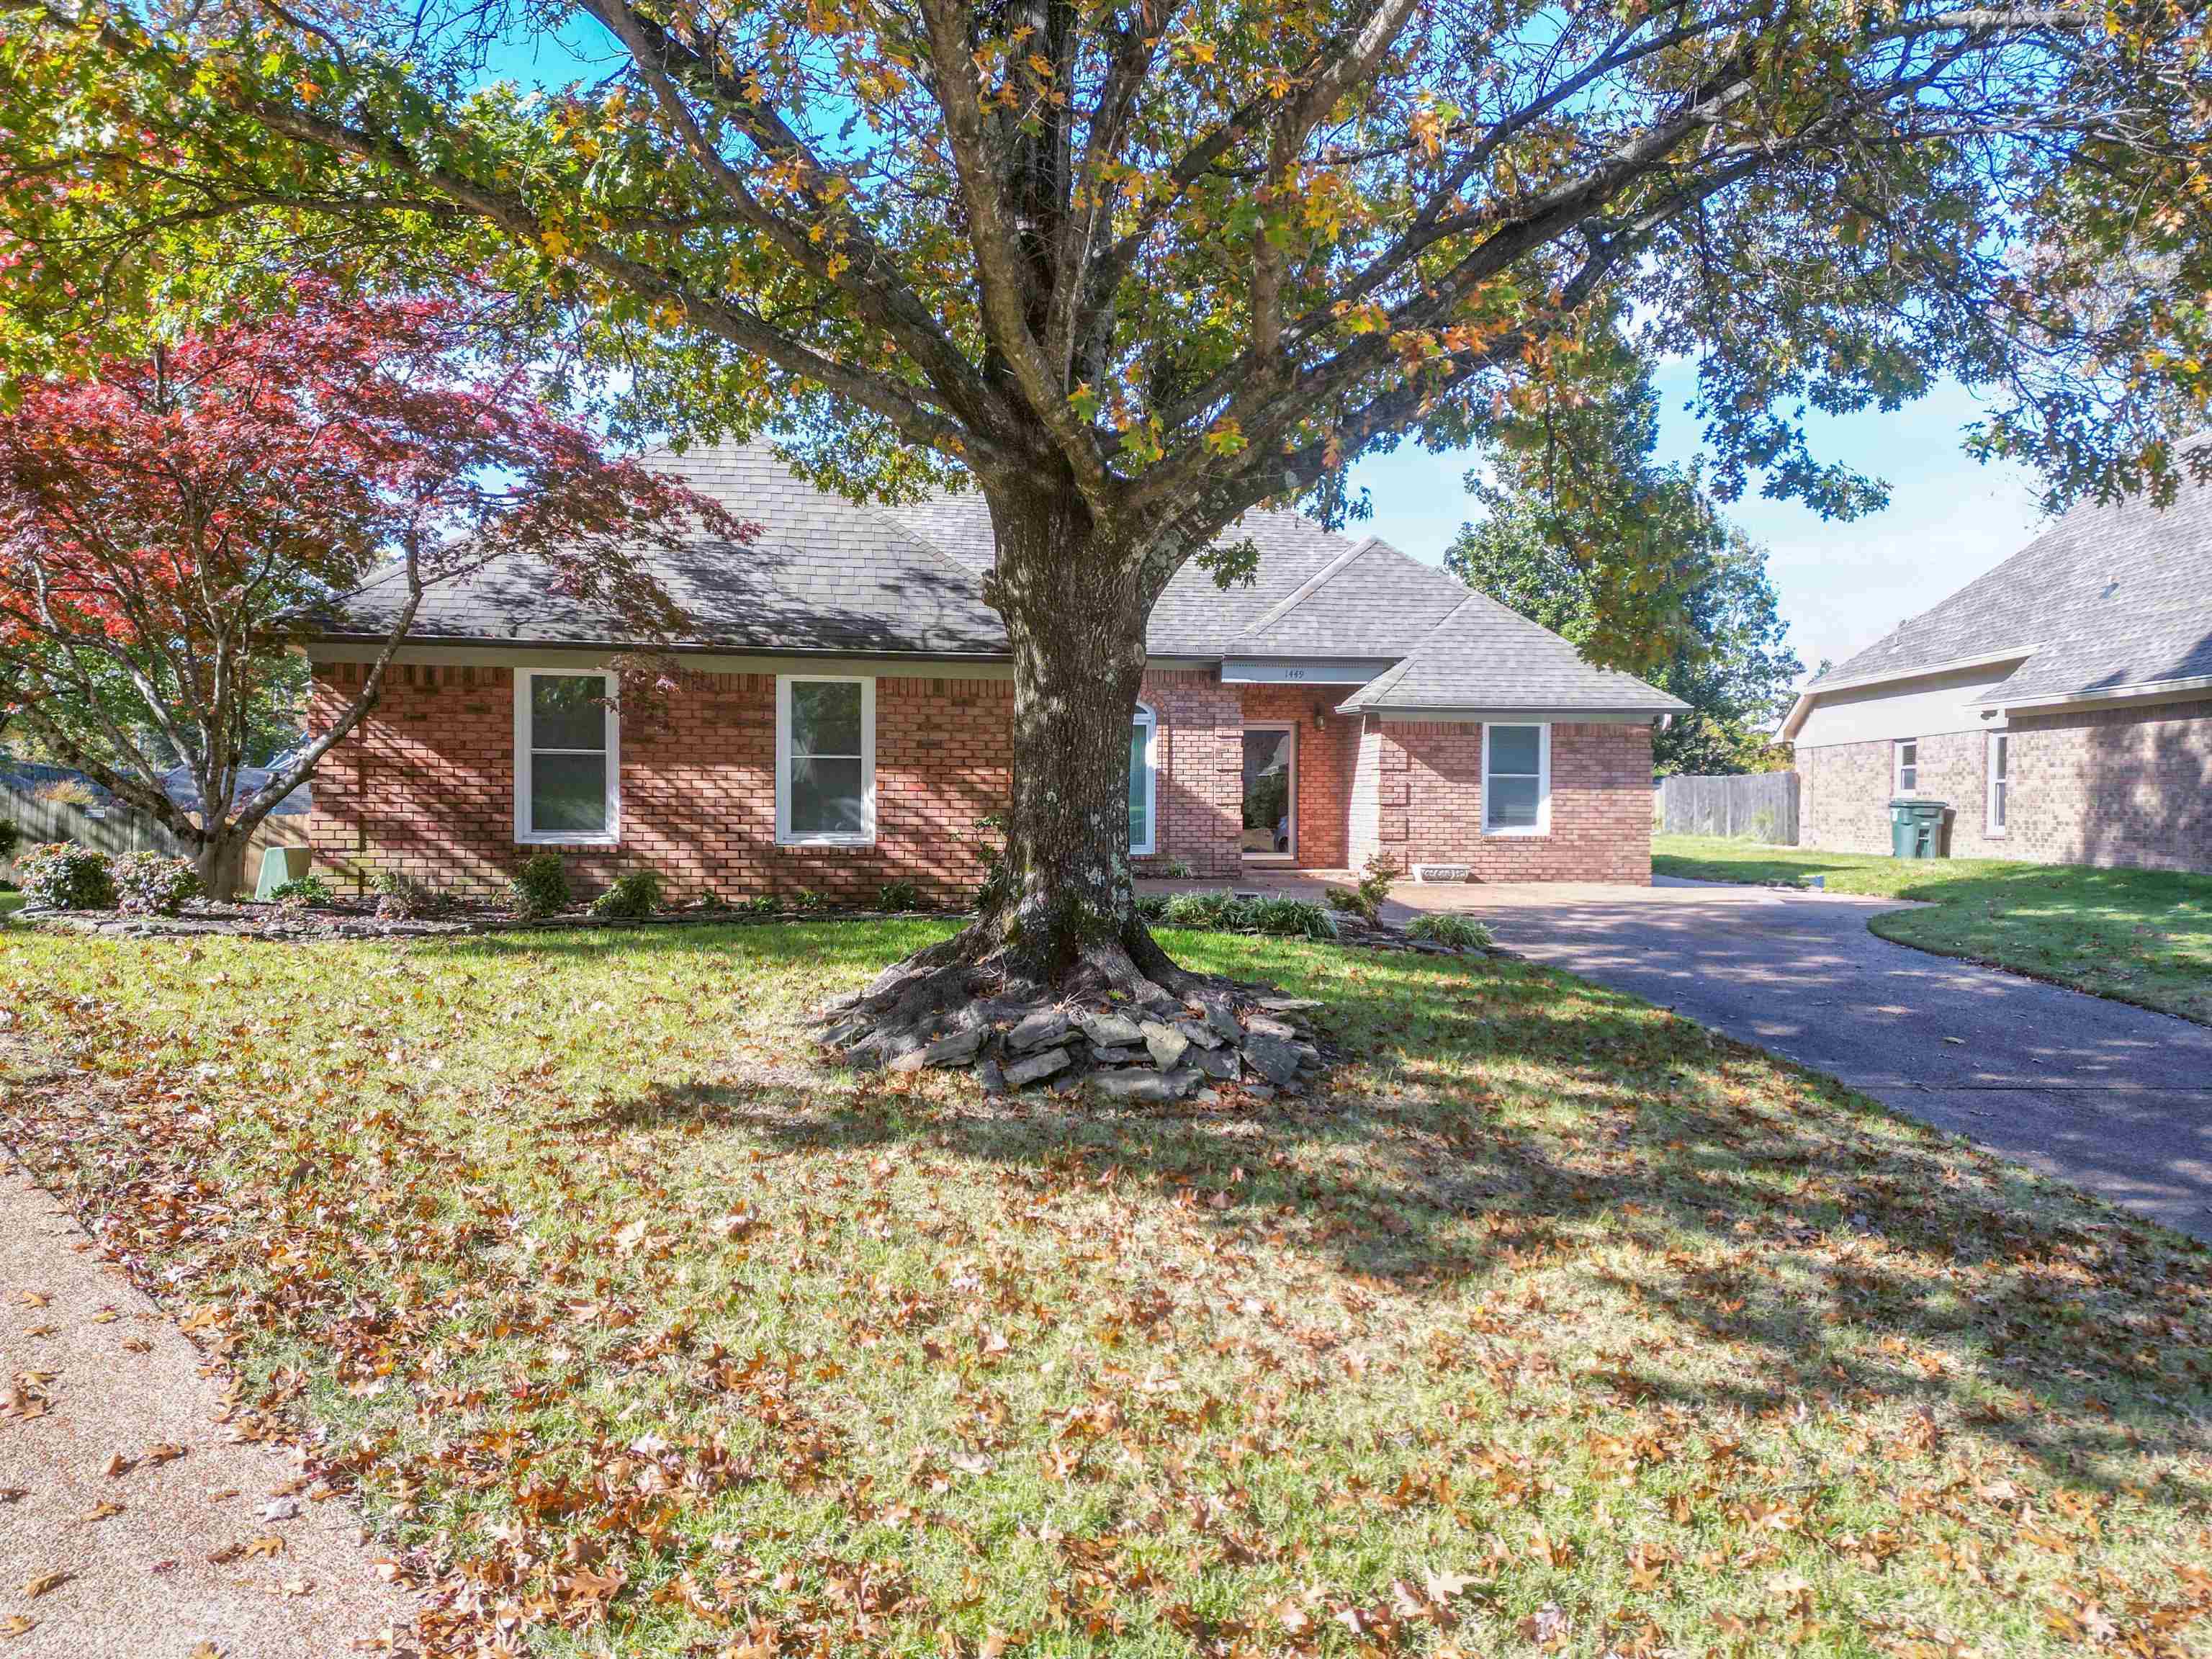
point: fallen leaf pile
(1559, 1326)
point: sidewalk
(117, 1472)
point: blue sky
(1842, 585)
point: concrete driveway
(2114, 1098)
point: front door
(1271, 793)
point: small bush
(540, 887)
(898, 896)
(1365, 901)
(1152, 907)
(1280, 916)
(302, 892)
(760, 904)
(403, 897)
(62, 876)
(68, 791)
(1461, 932)
(149, 884)
(635, 895)
(1168, 869)
(807, 900)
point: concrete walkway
(2114, 1098)
(118, 1482)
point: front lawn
(2141, 936)
(1560, 1326)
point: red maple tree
(171, 523)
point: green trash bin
(1915, 828)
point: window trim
(1543, 824)
(1897, 783)
(1995, 819)
(784, 838)
(1146, 718)
(525, 834)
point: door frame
(1289, 857)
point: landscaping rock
(1123, 1056)
(1289, 1004)
(991, 1077)
(1143, 1084)
(1107, 1029)
(1261, 1026)
(1023, 1072)
(1222, 1019)
(1044, 1029)
(1219, 1063)
(957, 1049)
(1166, 1044)
(1204, 1036)
(1273, 1058)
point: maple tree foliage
(173, 522)
(1132, 266)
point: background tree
(169, 524)
(1587, 533)
(1131, 266)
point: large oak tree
(1132, 266)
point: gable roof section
(1370, 600)
(2108, 598)
(1484, 658)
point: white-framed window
(567, 758)
(825, 760)
(2000, 780)
(1143, 780)
(1907, 752)
(1516, 780)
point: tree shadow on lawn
(1499, 1120)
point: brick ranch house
(843, 718)
(2061, 704)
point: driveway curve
(2115, 1098)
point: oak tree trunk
(221, 864)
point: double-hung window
(1516, 780)
(1144, 789)
(1908, 766)
(2000, 780)
(568, 767)
(826, 761)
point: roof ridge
(1290, 601)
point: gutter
(1803, 705)
(2135, 692)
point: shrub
(1461, 932)
(62, 876)
(760, 904)
(1279, 914)
(1365, 900)
(898, 896)
(807, 899)
(403, 897)
(635, 895)
(10, 839)
(68, 791)
(1152, 907)
(540, 887)
(302, 891)
(1169, 869)
(149, 883)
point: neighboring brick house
(2061, 704)
(841, 718)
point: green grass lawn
(2143, 936)
(1558, 1325)
(11, 902)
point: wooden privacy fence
(119, 828)
(1758, 806)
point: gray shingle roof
(828, 575)
(1484, 656)
(2107, 598)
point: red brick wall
(427, 785)
(2126, 787)
(1201, 771)
(1426, 783)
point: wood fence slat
(1758, 806)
